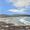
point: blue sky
(3, 9)
(5, 6)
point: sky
(4, 7)
(7, 7)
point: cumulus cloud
(22, 3)
(19, 3)
(16, 10)
(13, 10)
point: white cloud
(16, 10)
(13, 10)
(20, 3)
